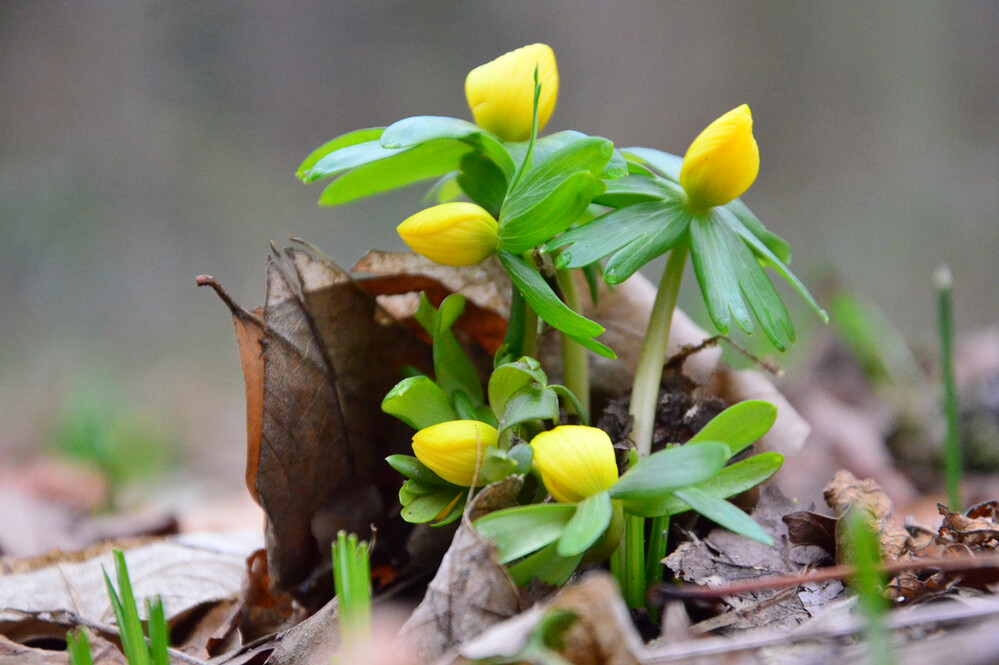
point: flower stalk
(648, 375)
(575, 360)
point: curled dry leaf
(317, 365)
(471, 590)
(847, 492)
(977, 529)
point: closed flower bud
(575, 462)
(454, 449)
(722, 162)
(455, 234)
(501, 93)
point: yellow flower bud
(501, 93)
(722, 162)
(455, 234)
(454, 449)
(575, 462)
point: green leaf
(508, 378)
(340, 142)
(739, 426)
(553, 195)
(347, 158)
(774, 243)
(670, 468)
(770, 258)
(413, 468)
(482, 181)
(547, 305)
(524, 529)
(724, 514)
(395, 169)
(730, 481)
(445, 190)
(763, 300)
(78, 647)
(712, 259)
(570, 402)
(546, 566)
(426, 507)
(638, 234)
(593, 516)
(666, 164)
(530, 403)
(632, 189)
(453, 370)
(159, 635)
(127, 613)
(419, 402)
(422, 128)
(562, 207)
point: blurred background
(144, 143)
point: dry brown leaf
(847, 492)
(396, 277)
(723, 557)
(190, 574)
(329, 355)
(471, 590)
(977, 529)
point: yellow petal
(454, 234)
(453, 450)
(575, 462)
(501, 93)
(722, 162)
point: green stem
(634, 562)
(658, 533)
(952, 444)
(648, 376)
(575, 359)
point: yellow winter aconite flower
(575, 462)
(455, 234)
(454, 449)
(722, 162)
(501, 93)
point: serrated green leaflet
(523, 229)
(546, 566)
(547, 305)
(666, 164)
(769, 258)
(661, 472)
(593, 516)
(395, 169)
(739, 426)
(340, 142)
(724, 514)
(419, 402)
(522, 530)
(636, 233)
(712, 258)
(730, 481)
(507, 379)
